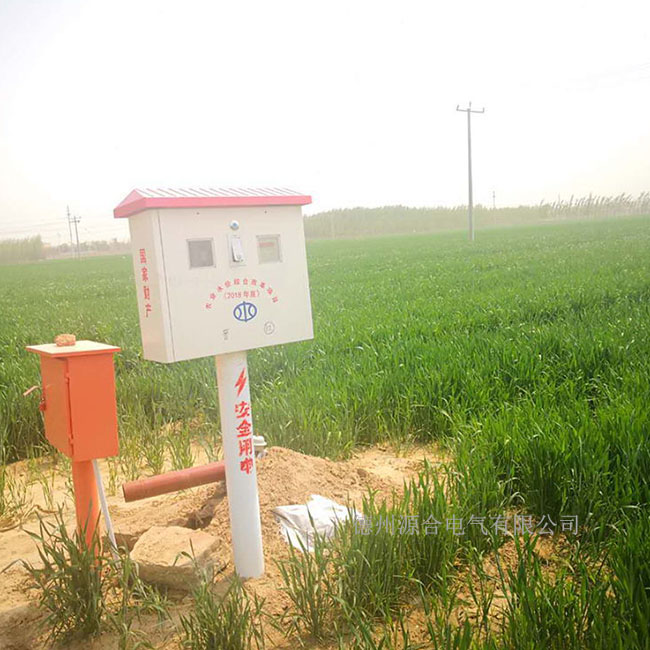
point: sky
(352, 102)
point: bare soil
(284, 477)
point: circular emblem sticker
(245, 311)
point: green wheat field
(525, 355)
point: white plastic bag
(296, 526)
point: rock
(124, 539)
(158, 556)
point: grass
(83, 590)
(230, 622)
(374, 567)
(14, 503)
(360, 589)
(72, 582)
(527, 355)
(399, 219)
(307, 582)
(414, 335)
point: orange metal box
(79, 401)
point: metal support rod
(104, 506)
(239, 457)
(470, 208)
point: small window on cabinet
(201, 253)
(268, 249)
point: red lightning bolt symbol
(241, 382)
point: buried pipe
(183, 478)
(173, 481)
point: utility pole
(70, 228)
(494, 200)
(469, 112)
(75, 221)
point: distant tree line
(361, 222)
(32, 249)
(87, 247)
(29, 249)
(387, 220)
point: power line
(22, 223)
(32, 231)
(469, 112)
(53, 234)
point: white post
(239, 455)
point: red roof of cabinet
(207, 197)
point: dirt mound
(284, 477)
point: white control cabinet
(218, 271)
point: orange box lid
(80, 348)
